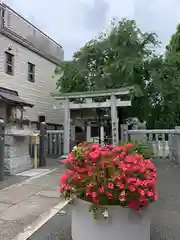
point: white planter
(122, 224)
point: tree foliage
(123, 56)
(168, 85)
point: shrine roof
(12, 97)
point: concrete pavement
(165, 213)
(26, 206)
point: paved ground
(24, 203)
(58, 228)
(165, 213)
(11, 180)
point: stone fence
(165, 142)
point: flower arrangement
(109, 175)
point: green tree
(121, 56)
(167, 81)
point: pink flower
(150, 193)
(122, 196)
(129, 145)
(120, 185)
(132, 188)
(129, 159)
(88, 193)
(101, 189)
(94, 195)
(122, 154)
(110, 185)
(155, 196)
(94, 155)
(65, 177)
(141, 192)
(90, 173)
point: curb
(35, 226)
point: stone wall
(17, 157)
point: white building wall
(37, 93)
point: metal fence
(53, 143)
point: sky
(73, 22)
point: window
(2, 13)
(31, 72)
(9, 68)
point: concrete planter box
(122, 224)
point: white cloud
(73, 22)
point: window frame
(31, 72)
(9, 63)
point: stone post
(114, 121)
(124, 133)
(42, 154)
(66, 127)
(2, 150)
(176, 144)
(102, 133)
(88, 132)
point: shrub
(144, 148)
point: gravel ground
(165, 213)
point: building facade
(28, 59)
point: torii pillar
(67, 127)
(114, 121)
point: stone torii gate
(66, 103)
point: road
(58, 228)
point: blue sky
(73, 22)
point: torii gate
(113, 103)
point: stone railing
(165, 142)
